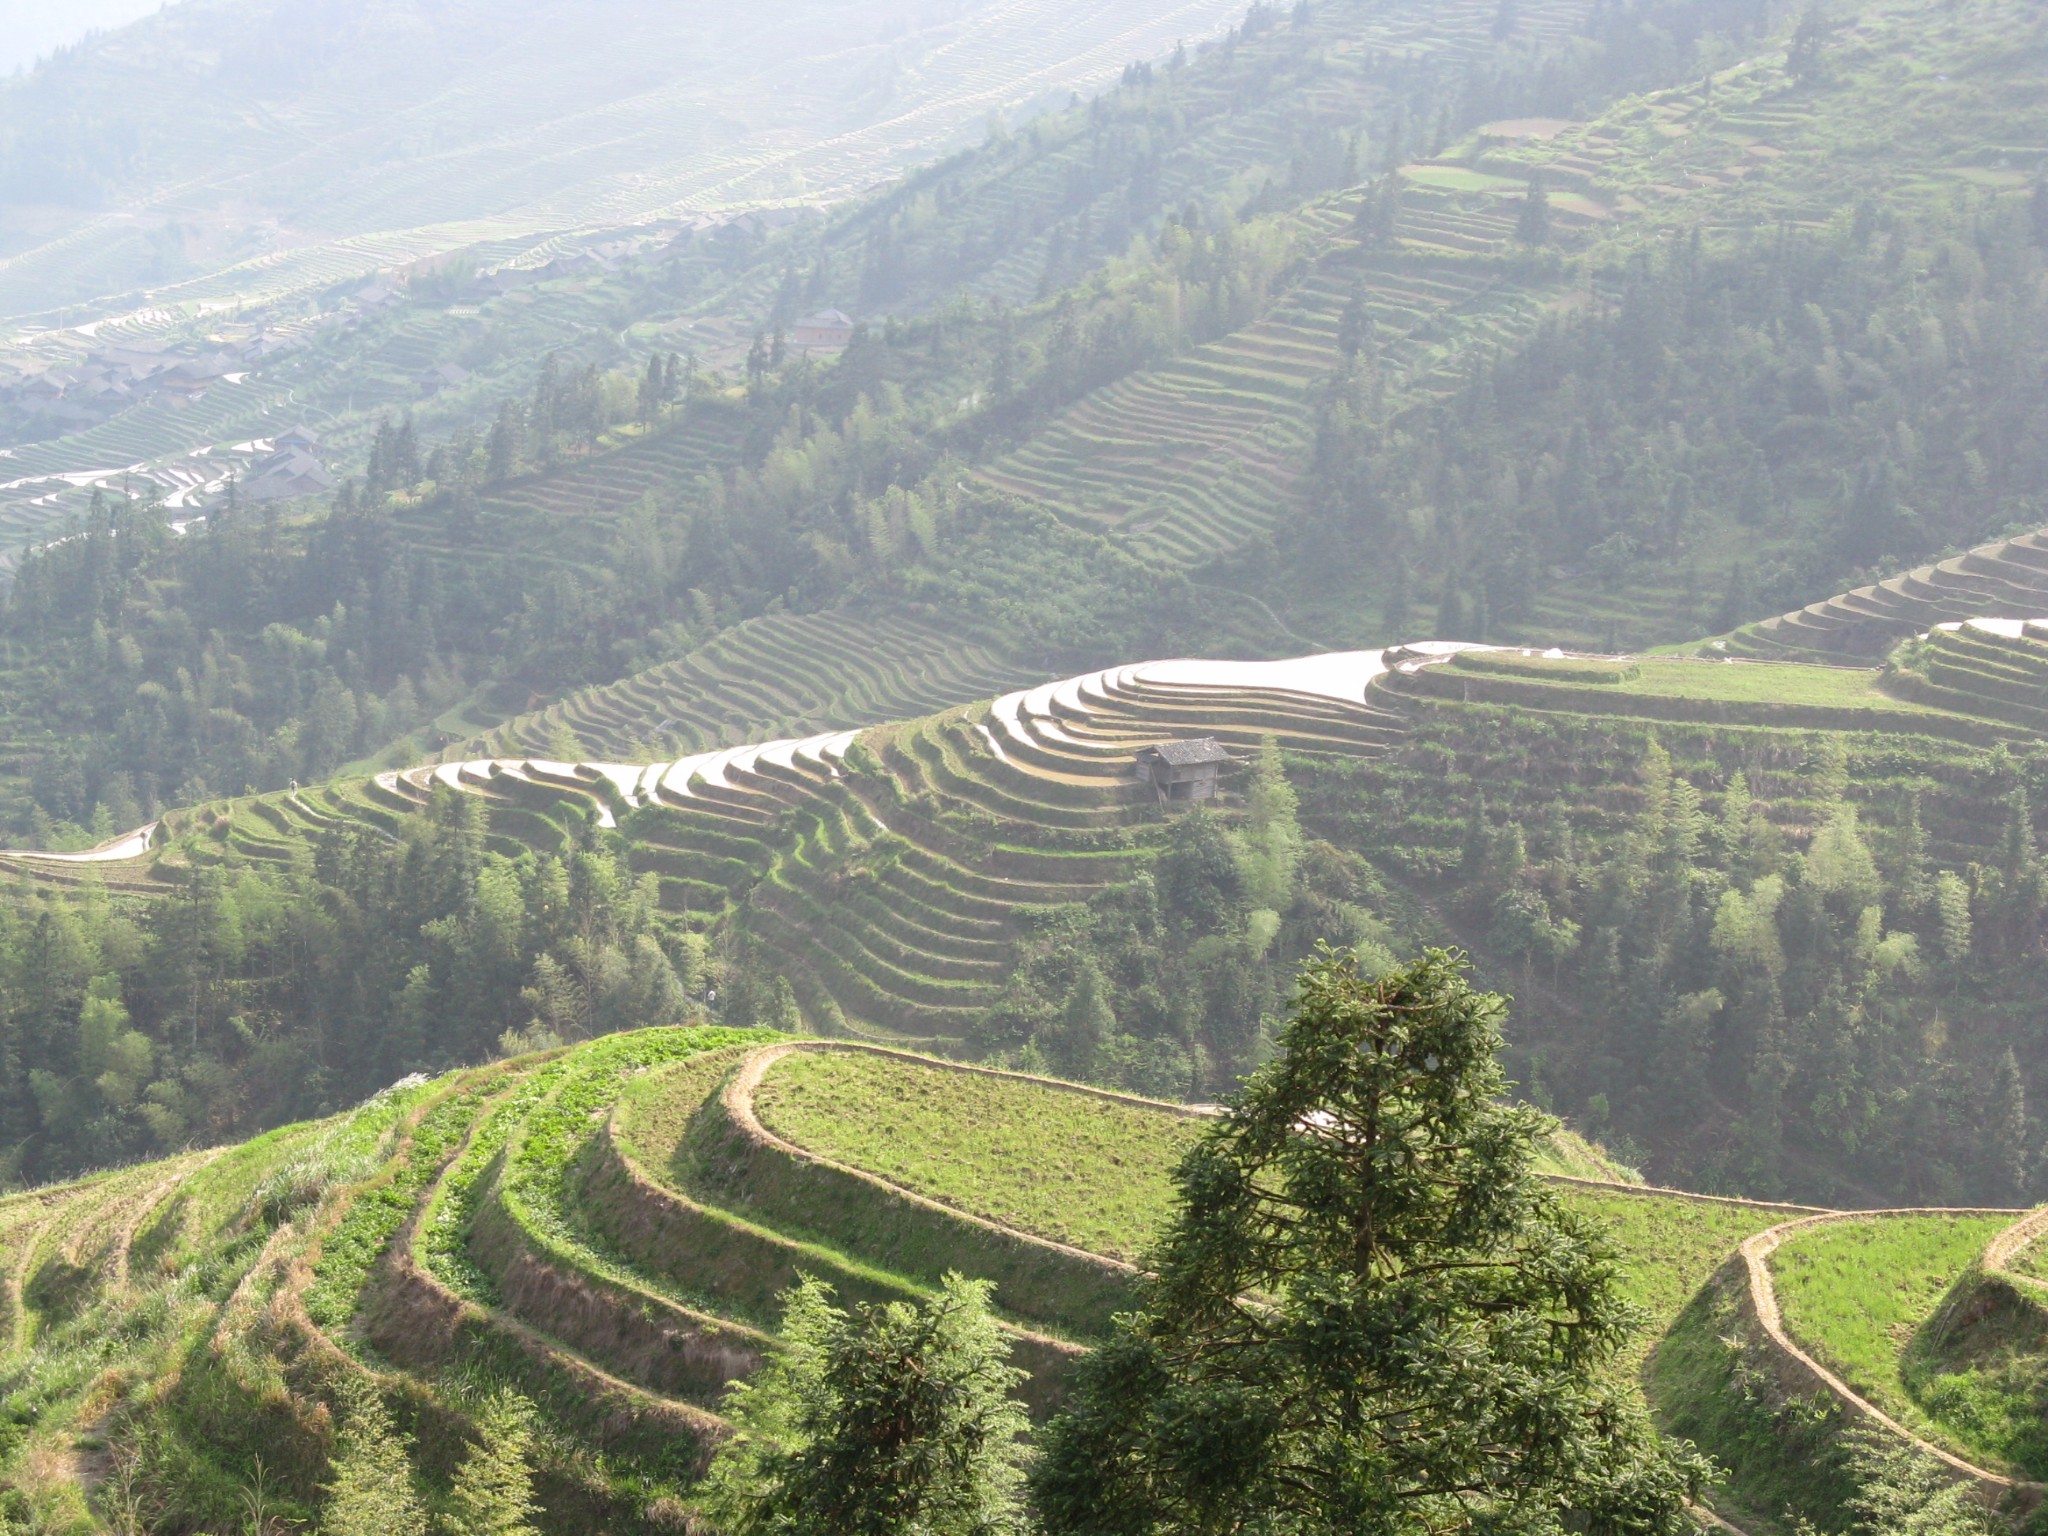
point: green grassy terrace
(1857, 1294)
(607, 1229)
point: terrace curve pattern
(889, 872)
(2007, 580)
(1993, 1487)
(608, 1229)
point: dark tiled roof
(1187, 754)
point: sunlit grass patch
(1854, 1293)
(1091, 1172)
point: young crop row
(352, 1248)
(453, 1204)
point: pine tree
(2005, 1129)
(884, 1421)
(1902, 1491)
(1355, 326)
(1432, 1345)
(371, 1492)
(503, 447)
(653, 389)
(1271, 839)
(493, 1492)
(1086, 1022)
(1952, 914)
(1803, 58)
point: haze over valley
(1004, 766)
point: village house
(291, 469)
(190, 380)
(1183, 770)
(442, 376)
(829, 330)
(285, 476)
(376, 296)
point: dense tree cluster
(255, 995)
(1170, 985)
(1830, 1013)
(1850, 401)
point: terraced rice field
(769, 676)
(607, 1230)
(1084, 1169)
(1706, 689)
(2006, 580)
(1071, 1165)
(886, 873)
(889, 874)
(1191, 462)
(1856, 1293)
(548, 131)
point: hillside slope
(368, 137)
(606, 1230)
(1772, 852)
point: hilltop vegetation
(1207, 198)
(600, 1231)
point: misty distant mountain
(227, 149)
(35, 29)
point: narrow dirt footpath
(1763, 1295)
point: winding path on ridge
(2004, 1248)
(1763, 1295)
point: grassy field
(1089, 1172)
(1782, 1466)
(1668, 1247)
(1855, 1292)
(1097, 1174)
(1733, 682)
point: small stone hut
(1183, 770)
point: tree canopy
(885, 1421)
(1368, 1315)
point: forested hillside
(814, 713)
(1230, 366)
(1151, 377)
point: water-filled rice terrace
(890, 873)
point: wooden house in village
(1184, 770)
